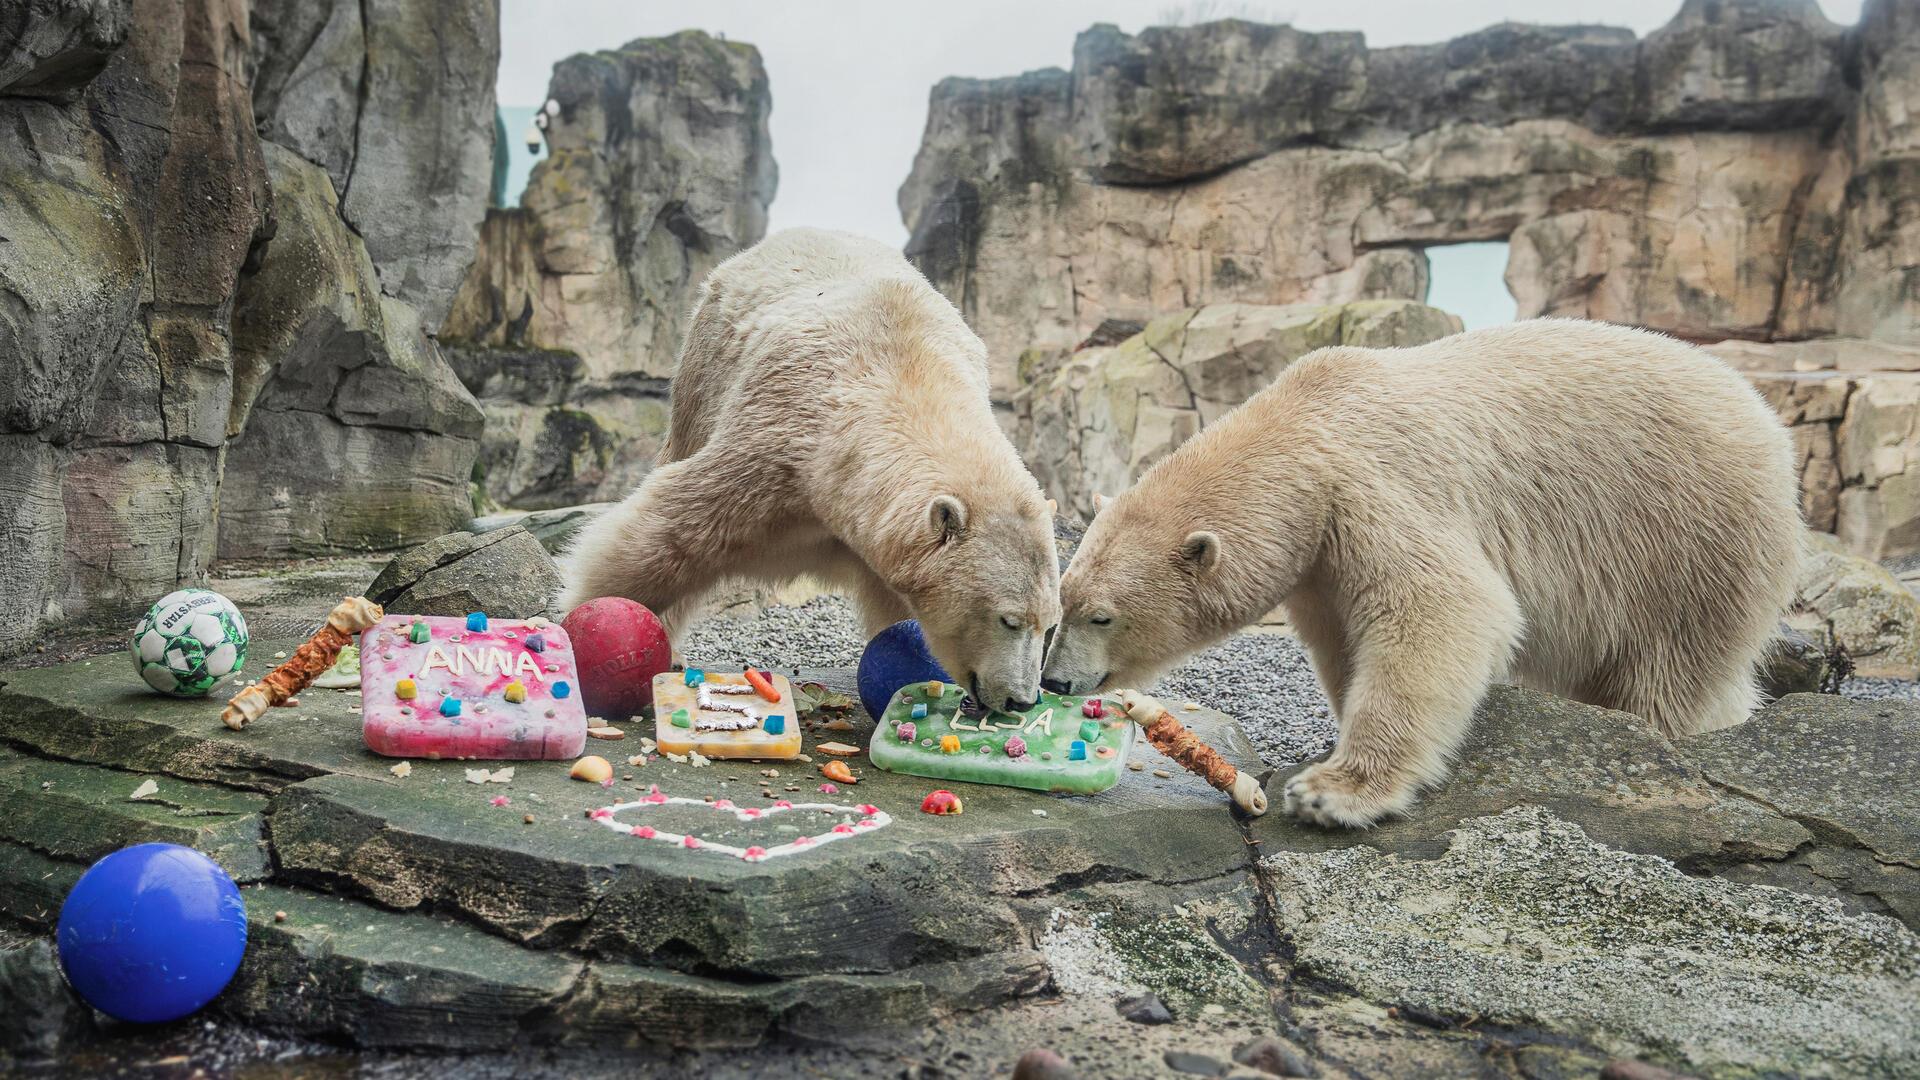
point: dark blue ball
(895, 657)
(152, 932)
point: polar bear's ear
(1202, 549)
(1099, 502)
(948, 516)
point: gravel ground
(1262, 680)
(1864, 689)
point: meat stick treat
(1173, 739)
(352, 615)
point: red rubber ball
(618, 647)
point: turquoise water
(519, 162)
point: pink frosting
(475, 666)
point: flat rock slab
(81, 812)
(925, 915)
(1608, 772)
(925, 889)
(1524, 921)
(1848, 772)
(96, 711)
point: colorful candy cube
(1090, 730)
(419, 634)
(949, 744)
(477, 622)
(536, 643)
(562, 689)
(1077, 750)
(405, 690)
(1092, 708)
(694, 677)
(935, 688)
(774, 724)
(516, 692)
(450, 706)
(919, 711)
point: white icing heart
(872, 818)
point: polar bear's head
(1144, 590)
(991, 598)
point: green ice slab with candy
(1069, 744)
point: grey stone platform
(562, 926)
(1739, 903)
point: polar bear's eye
(1100, 620)
(1011, 622)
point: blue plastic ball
(895, 657)
(152, 932)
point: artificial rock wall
(568, 326)
(1747, 172)
(172, 235)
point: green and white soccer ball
(189, 641)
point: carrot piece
(762, 685)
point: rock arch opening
(1469, 280)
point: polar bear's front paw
(1328, 795)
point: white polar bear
(830, 417)
(1600, 512)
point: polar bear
(1596, 511)
(830, 417)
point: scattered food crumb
(808, 758)
(1136, 766)
(499, 800)
(837, 770)
(1163, 774)
(648, 746)
(528, 819)
(1039, 813)
(769, 772)
(697, 759)
(829, 789)
(837, 725)
(638, 759)
(837, 749)
(941, 802)
(677, 759)
(281, 655)
(146, 788)
(279, 916)
(592, 768)
(608, 733)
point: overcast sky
(850, 77)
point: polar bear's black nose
(1014, 706)
(1058, 686)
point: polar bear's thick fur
(830, 417)
(1600, 512)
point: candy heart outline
(873, 818)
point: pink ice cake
(473, 687)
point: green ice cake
(1070, 744)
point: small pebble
(279, 916)
(528, 819)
